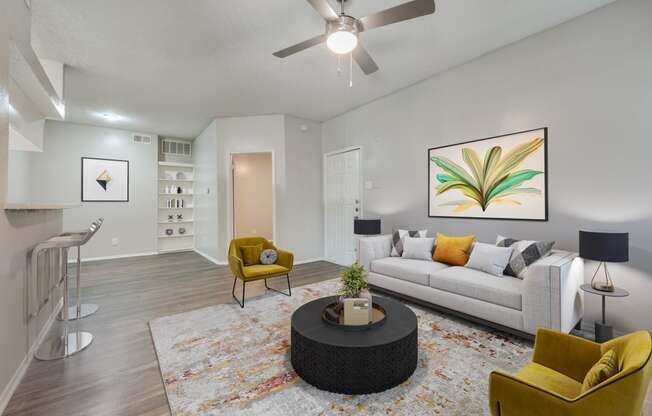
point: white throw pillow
(418, 248)
(397, 240)
(489, 258)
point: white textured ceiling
(169, 66)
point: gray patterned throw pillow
(524, 254)
(397, 240)
(268, 256)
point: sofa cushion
(504, 291)
(415, 271)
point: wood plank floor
(119, 374)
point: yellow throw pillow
(452, 250)
(605, 368)
(251, 254)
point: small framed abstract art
(105, 180)
(503, 177)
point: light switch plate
(368, 185)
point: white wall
(19, 231)
(246, 135)
(303, 222)
(588, 80)
(206, 192)
(55, 176)
(297, 181)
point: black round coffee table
(354, 362)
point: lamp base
(603, 287)
(607, 285)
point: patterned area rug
(224, 360)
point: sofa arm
(566, 354)
(372, 248)
(551, 293)
(511, 396)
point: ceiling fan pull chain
(351, 70)
(339, 65)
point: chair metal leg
(235, 279)
(287, 276)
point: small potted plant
(353, 281)
(353, 284)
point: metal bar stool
(69, 343)
(81, 310)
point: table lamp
(606, 248)
(366, 227)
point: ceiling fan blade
(324, 9)
(405, 11)
(365, 60)
(300, 46)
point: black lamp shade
(366, 227)
(610, 247)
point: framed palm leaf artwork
(503, 177)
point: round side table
(604, 332)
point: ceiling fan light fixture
(342, 41)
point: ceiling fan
(342, 30)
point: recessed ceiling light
(111, 117)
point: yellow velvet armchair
(282, 267)
(552, 383)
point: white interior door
(343, 204)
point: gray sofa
(549, 295)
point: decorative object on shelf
(604, 247)
(169, 231)
(505, 178)
(179, 217)
(268, 256)
(366, 227)
(180, 176)
(179, 190)
(182, 230)
(105, 180)
(170, 217)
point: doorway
(343, 203)
(253, 195)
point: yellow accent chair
(282, 267)
(552, 383)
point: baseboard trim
(211, 259)
(120, 256)
(15, 380)
(309, 260)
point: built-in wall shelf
(174, 175)
(187, 195)
(166, 208)
(176, 236)
(176, 222)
